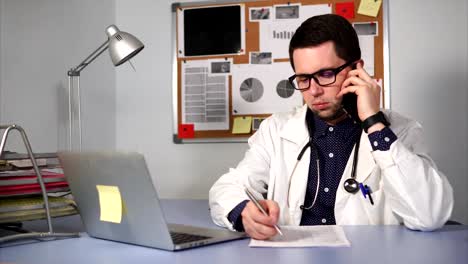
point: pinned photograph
(221, 67)
(256, 122)
(260, 58)
(262, 13)
(366, 28)
(287, 12)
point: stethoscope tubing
(351, 180)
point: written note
(242, 125)
(110, 203)
(306, 236)
(369, 7)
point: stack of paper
(32, 208)
(24, 182)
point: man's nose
(315, 89)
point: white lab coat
(407, 187)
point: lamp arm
(76, 71)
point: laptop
(142, 221)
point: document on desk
(306, 236)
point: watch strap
(379, 117)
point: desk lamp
(122, 47)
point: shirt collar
(344, 129)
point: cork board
(233, 84)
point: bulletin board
(221, 93)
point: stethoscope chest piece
(351, 185)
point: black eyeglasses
(323, 77)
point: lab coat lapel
(366, 161)
(295, 129)
(295, 136)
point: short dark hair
(330, 27)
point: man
(359, 166)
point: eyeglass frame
(310, 76)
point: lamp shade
(122, 45)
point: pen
(366, 191)
(363, 190)
(260, 207)
(369, 193)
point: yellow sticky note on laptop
(369, 7)
(242, 125)
(110, 203)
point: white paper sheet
(366, 28)
(205, 94)
(367, 53)
(306, 236)
(275, 34)
(269, 76)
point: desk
(369, 244)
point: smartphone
(349, 104)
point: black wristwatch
(374, 119)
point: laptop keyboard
(180, 238)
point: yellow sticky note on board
(242, 125)
(110, 203)
(369, 7)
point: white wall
(39, 41)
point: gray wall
(144, 109)
(428, 51)
(39, 41)
(133, 110)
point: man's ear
(360, 61)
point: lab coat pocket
(374, 209)
(374, 203)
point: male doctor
(369, 167)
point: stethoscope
(351, 185)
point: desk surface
(369, 244)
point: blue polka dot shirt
(334, 145)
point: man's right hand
(256, 224)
